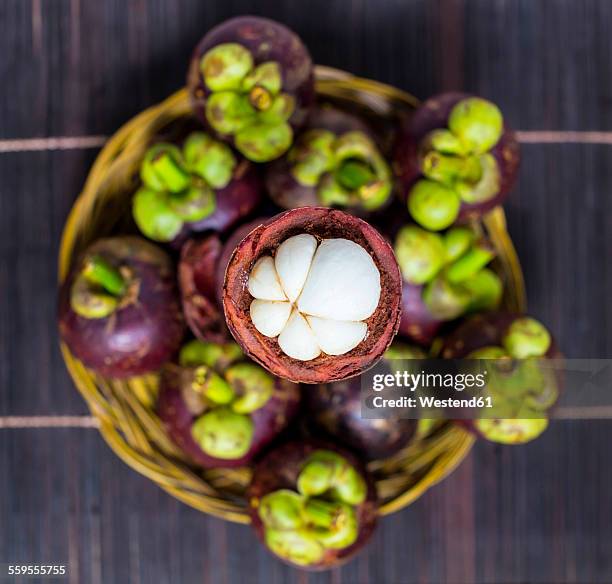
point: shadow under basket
(125, 409)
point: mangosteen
(444, 277)
(335, 409)
(455, 159)
(201, 186)
(220, 408)
(335, 162)
(251, 82)
(313, 295)
(119, 310)
(312, 504)
(517, 382)
(201, 272)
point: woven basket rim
(129, 439)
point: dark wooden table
(72, 71)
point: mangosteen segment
(314, 296)
(306, 295)
(179, 185)
(347, 170)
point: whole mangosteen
(336, 410)
(312, 504)
(455, 159)
(444, 277)
(335, 162)
(251, 82)
(313, 295)
(201, 186)
(221, 409)
(119, 310)
(516, 380)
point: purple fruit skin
(433, 114)
(268, 421)
(201, 273)
(139, 337)
(417, 322)
(282, 187)
(280, 468)
(335, 409)
(268, 41)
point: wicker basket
(125, 409)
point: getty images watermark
(491, 388)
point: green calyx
(326, 472)
(223, 433)
(459, 159)
(98, 288)
(229, 388)
(347, 170)
(178, 184)
(247, 102)
(301, 526)
(526, 337)
(511, 430)
(219, 356)
(452, 268)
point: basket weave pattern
(125, 409)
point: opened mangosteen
(200, 186)
(119, 310)
(251, 82)
(201, 272)
(313, 295)
(516, 380)
(444, 277)
(220, 408)
(335, 162)
(313, 505)
(455, 159)
(335, 409)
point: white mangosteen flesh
(315, 296)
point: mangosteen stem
(322, 513)
(469, 264)
(260, 98)
(447, 169)
(175, 177)
(100, 272)
(208, 383)
(353, 174)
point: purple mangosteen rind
(432, 115)
(335, 409)
(417, 323)
(280, 468)
(197, 281)
(146, 327)
(268, 421)
(247, 43)
(332, 130)
(322, 223)
(201, 272)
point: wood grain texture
(539, 513)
